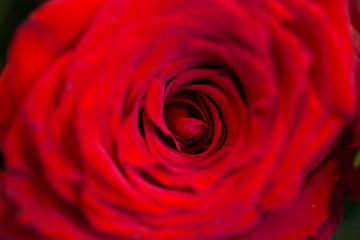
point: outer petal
(9, 226)
(313, 205)
(354, 13)
(38, 42)
(336, 11)
(331, 224)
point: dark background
(13, 12)
(349, 229)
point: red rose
(351, 152)
(174, 119)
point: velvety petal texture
(182, 119)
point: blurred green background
(13, 12)
(349, 229)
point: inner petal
(183, 120)
(188, 128)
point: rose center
(187, 125)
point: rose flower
(186, 120)
(350, 152)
